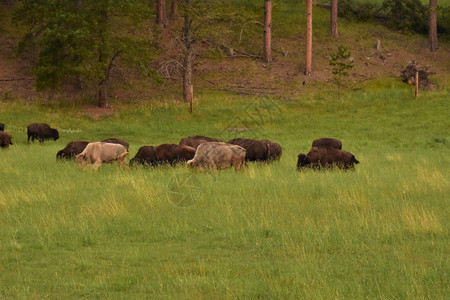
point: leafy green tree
(406, 15)
(81, 40)
(341, 63)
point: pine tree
(340, 61)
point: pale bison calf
(326, 157)
(216, 155)
(98, 153)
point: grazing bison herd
(196, 151)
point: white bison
(99, 152)
(216, 155)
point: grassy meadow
(381, 231)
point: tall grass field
(380, 231)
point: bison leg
(239, 164)
(96, 164)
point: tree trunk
(187, 41)
(268, 31)
(174, 9)
(334, 19)
(432, 34)
(161, 12)
(308, 37)
(102, 97)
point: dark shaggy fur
(41, 132)
(5, 139)
(71, 150)
(320, 157)
(262, 150)
(195, 141)
(327, 143)
(146, 156)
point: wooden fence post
(416, 85)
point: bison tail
(267, 152)
(355, 160)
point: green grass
(268, 232)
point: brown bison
(5, 139)
(146, 155)
(163, 154)
(173, 154)
(98, 153)
(262, 150)
(275, 150)
(117, 141)
(71, 150)
(2, 127)
(327, 143)
(194, 141)
(319, 157)
(216, 155)
(41, 132)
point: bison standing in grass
(262, 150)
(5, 139)
(195, 141)
(163, 154)
(274, 149)
(215, 155)
(319, 157)
(98, 153)
(72, 149)
(117, 141)
(327, 143)
(146, 156)
(173, 153)
(2, 127)
(41, 132)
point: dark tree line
(81, 41)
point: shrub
(406, 15)
(353, 10)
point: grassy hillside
(213, 70)
(380, 231)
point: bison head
(80, 158)
(60, 154)
(55, 134)
(303, 161)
